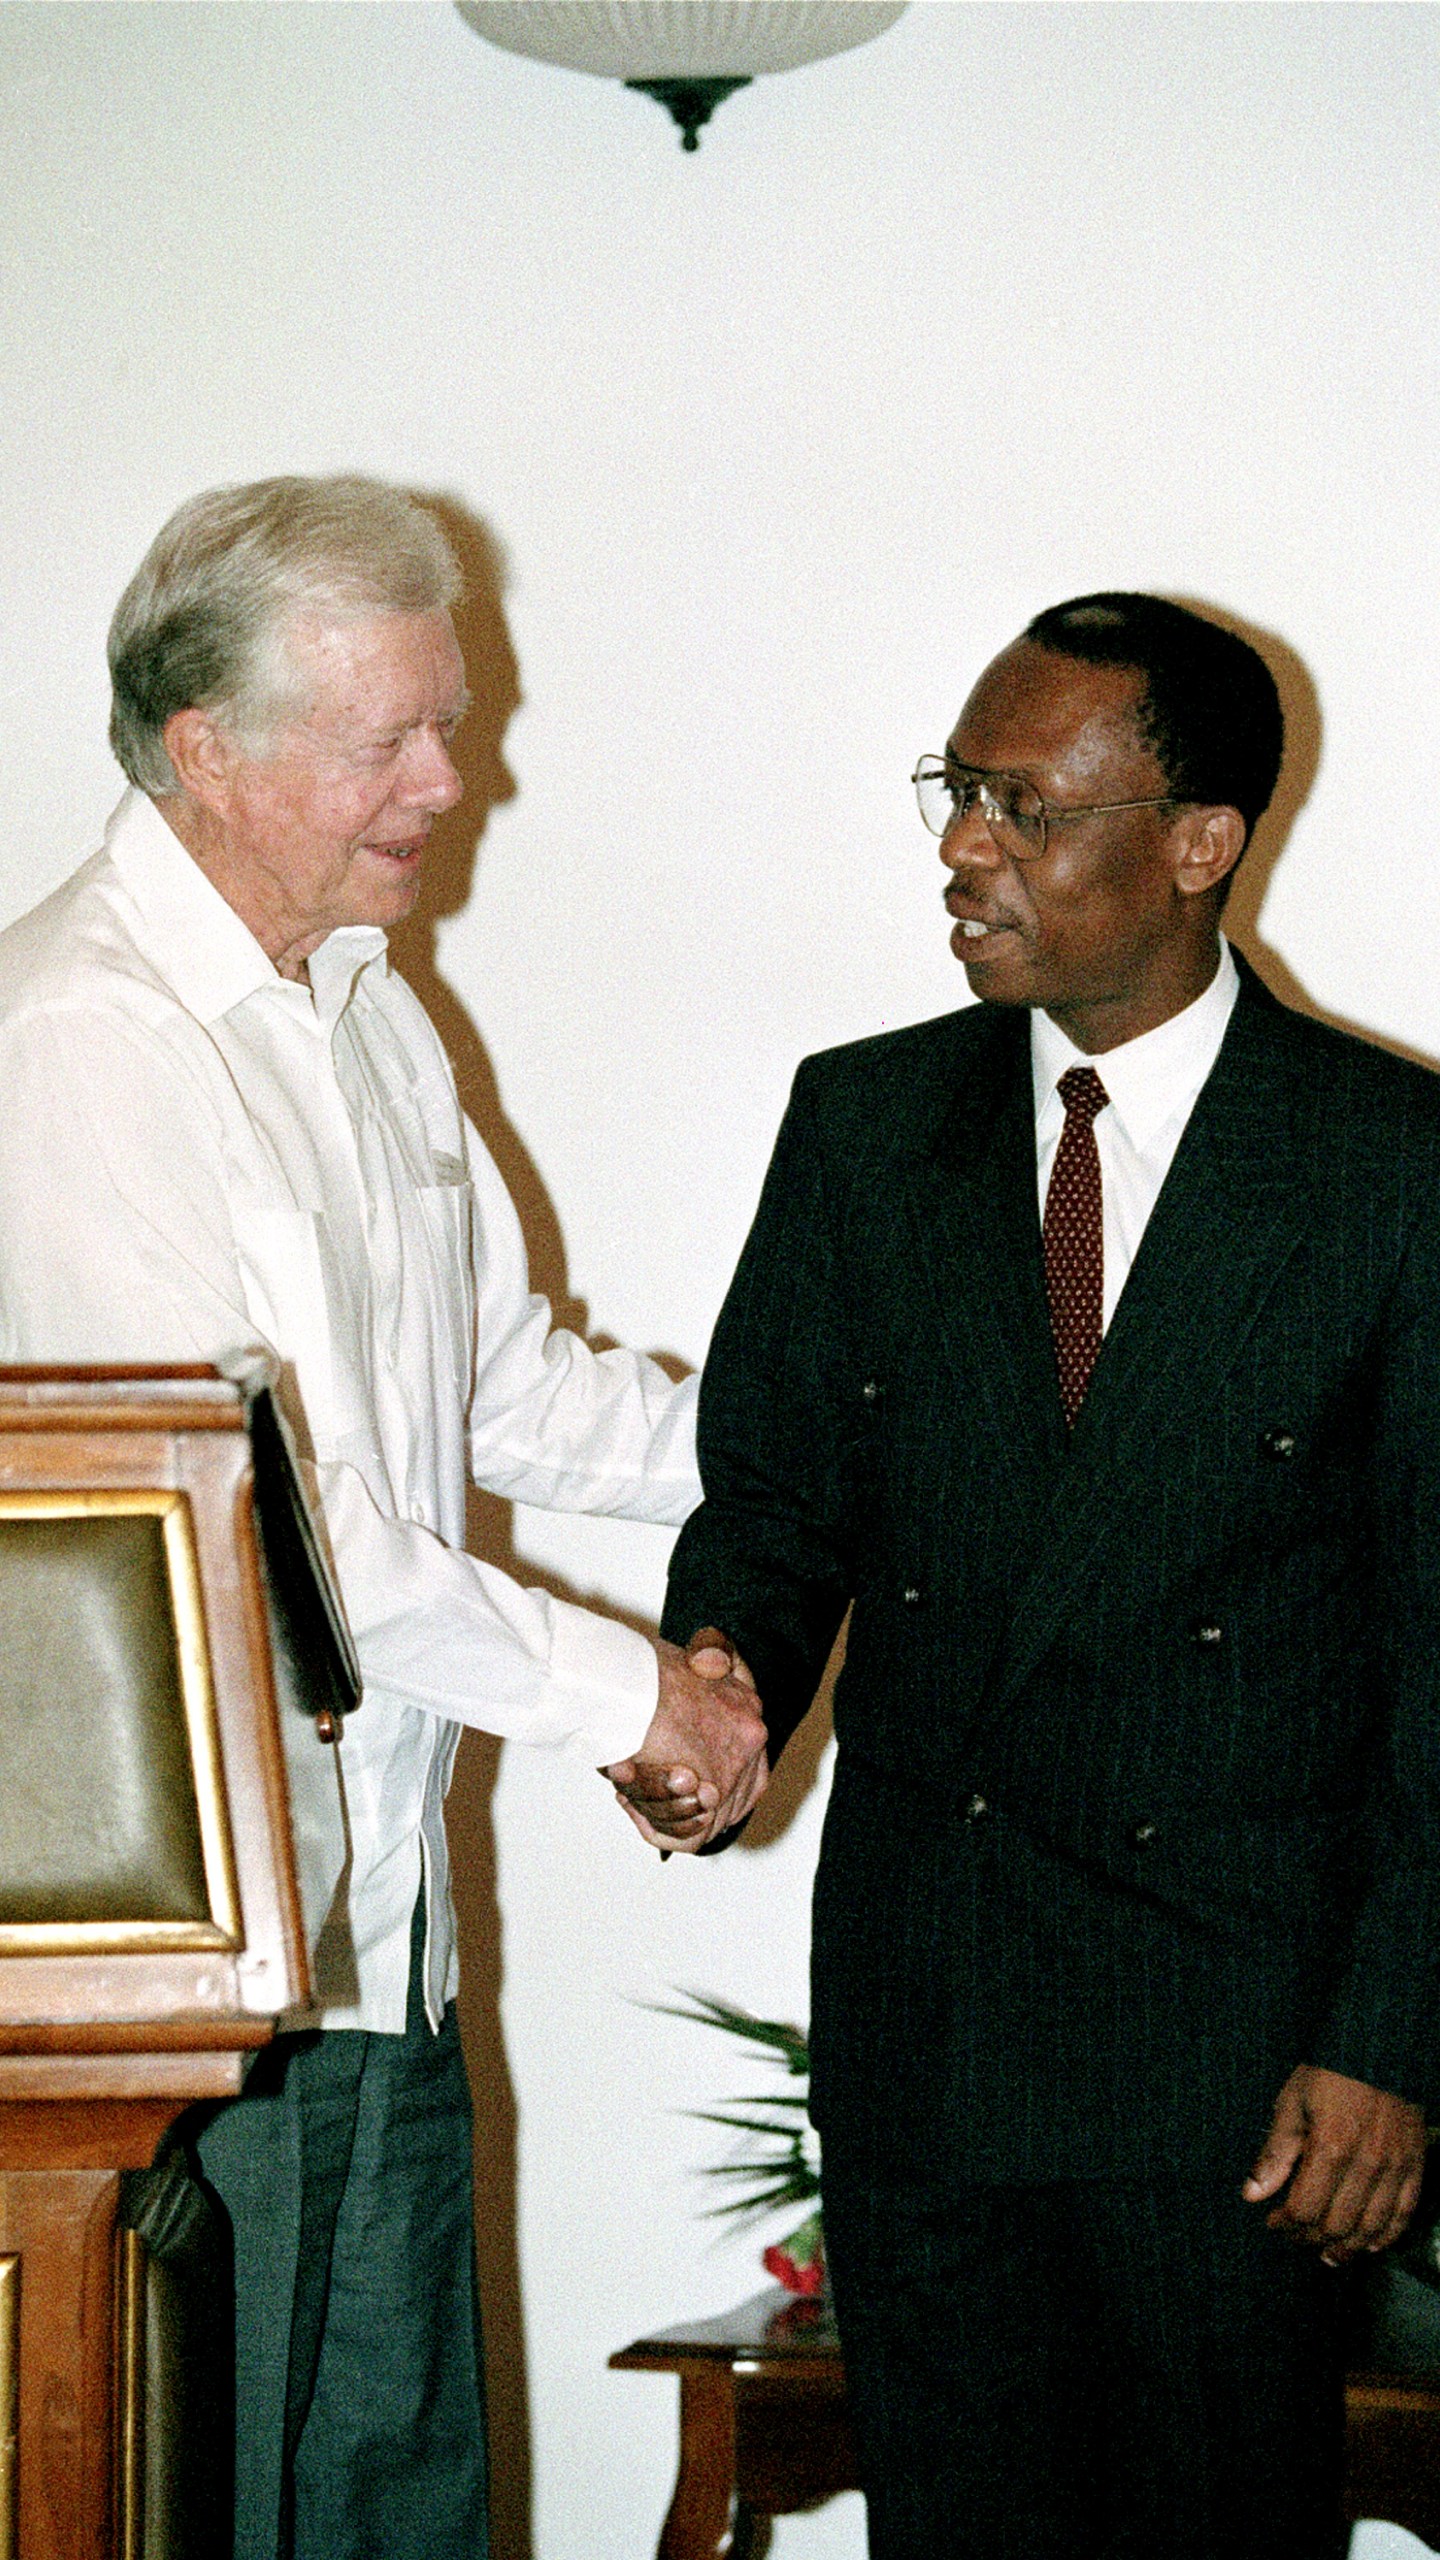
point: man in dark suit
(1111, 1410)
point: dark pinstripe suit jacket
(1138, 1795)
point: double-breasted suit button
(1277, 1442)
(872, 1391)
(1142, 1833)
(1205, 1631)
(911, 1594)
(977, 1809)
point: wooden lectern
(150, 1922)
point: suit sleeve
(1384, 2026)
(766, 1555)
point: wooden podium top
(148, 1897)
(182, 1398)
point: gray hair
(205, 620)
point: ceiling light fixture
(689, 54)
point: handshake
(701, 1767)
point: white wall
(783, 440)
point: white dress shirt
(1153, 1084)
(196, 1153)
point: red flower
(799, 2262)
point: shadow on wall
(1304, 743)
(449, 877)
(1304, 737)
(451, 862)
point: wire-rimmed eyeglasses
(1018, 818)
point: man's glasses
(1018, 819)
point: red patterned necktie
(1074, 1238)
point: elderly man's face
(328, 826)
(1104, 930)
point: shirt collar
(1151, 1078)
(336, 964)
(210, 957)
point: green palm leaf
(781, 2170)
(789, 2042)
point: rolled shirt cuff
(613, 1677)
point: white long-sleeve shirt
(196, 1154)
(1153, 1085)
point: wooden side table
(764, 2429)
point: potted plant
(782, 2163)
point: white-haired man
(227, 1120)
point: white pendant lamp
(687, 53)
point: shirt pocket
(282, 1265)
(448, 1209)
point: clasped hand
(702, 1765)
(1345, 2161)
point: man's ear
(202, 753)
(1208, 844)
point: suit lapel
(1230, 1215)
(972, 1203)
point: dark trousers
(1096, 2370)
(345, 2171)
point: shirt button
(1142, 1835)
(1277, 1442)
(977, 1809)
(1204, 1633)
(418, 1514)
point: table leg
(705, 2521)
